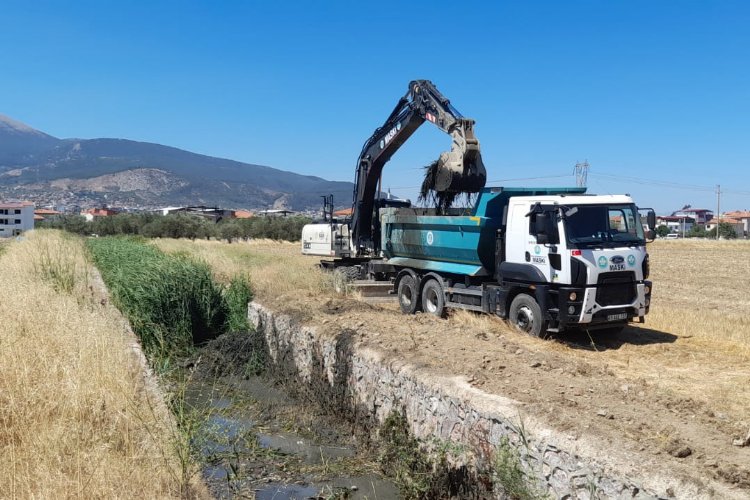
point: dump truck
(545, 259)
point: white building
(15, 218)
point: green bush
(662, 231)
(273, 228)
(726, 231)
(236, 297)
(697, 232)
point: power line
(669, 184)
(653, 182)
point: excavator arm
(459, 170)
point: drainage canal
(254, 440)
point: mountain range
(119, 172)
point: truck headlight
(648, 302)
(646, 289)
(573, 296)
(571, 310)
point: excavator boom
(459, 170)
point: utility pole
(718, 209)
(582, 173)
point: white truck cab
(589, 253)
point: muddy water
(254, 441)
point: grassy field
(700, 288)
(75, 417)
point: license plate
(617, 317)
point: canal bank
(484, 438)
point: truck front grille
(616, 288)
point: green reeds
(171, 301)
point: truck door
(520, 241)
(536, 253)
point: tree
(229, 230)
(697, 232)
(726, 231)
(662, 231)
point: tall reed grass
(172, 301)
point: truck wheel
(344, 275)
(526, 315)
(408, 294)
(433, 298)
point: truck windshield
(603, 225)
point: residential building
(243, 214)
(699, 215)
(214, 213)
(275, 212)
(744, 217)
(41, 214)
(676, 224)
(92, 213)
(16, 217)
(170, 210)
(344, 212)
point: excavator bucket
(461, 169)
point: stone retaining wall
(438, 410)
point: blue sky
(646, 91)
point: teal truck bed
(459, 242)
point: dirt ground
(676, 389)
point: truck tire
(526, 315)
(408, 294)
(433, 298)
(344, 275)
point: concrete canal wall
(482, 430)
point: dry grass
(700, 288)
(278, 271)
(75, 417)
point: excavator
(356, 240)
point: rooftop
(16, 204)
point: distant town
(19, 216)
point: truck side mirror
(651, 223)
(650, 233)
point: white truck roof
(599, 199)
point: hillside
(43, 168)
